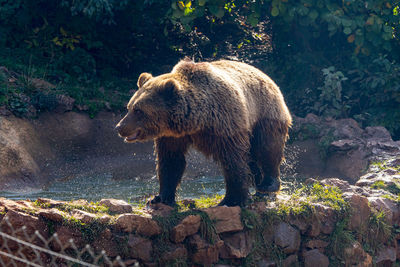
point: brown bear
(228, 110)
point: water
(94, 188)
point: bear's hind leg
(256, 174)
(234, 162)
(171, 164)
(270, 137)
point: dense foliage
(332, 58)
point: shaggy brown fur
(225, 109)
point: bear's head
(150, 109)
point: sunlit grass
(92, 207)
(303, 198)
(206, 202)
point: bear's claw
(233, 202)
(159, 199)
(271, 187)
(155, 200)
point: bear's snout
(122, 129)
(126, 131)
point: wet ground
(94, 188)
(97, 187)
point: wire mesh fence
(22, 246)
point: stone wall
(322, 223)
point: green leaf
(199, 11)
(387, 36)
(331, 27)
(377, 27)
(387, 28)
(213, 9)
(63, 32)
(188, 11)
(360, 21)
(387, 46)
(282, 8)
(374, 83)
(274, 11)
(387, 12)
(346, 22)
(217, 11)
(181, 5)
(370, 21)
(313, 14)
(187, 27)
(220, 13)
(202, 2)
(252, 20)
(359, 41)
(292, 12)
(359, 32)
(347, 30)
(331, 33)
(187, 20)
(177, 13)
(305, 21)
(303, 11)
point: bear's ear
(143, 78)
(170, 89)
(171, 85)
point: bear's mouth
(133, 137)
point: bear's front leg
(171, 164)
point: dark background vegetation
(332, 58)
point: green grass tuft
(93, 207)
(379, 231)
(340, 239)
(206, 202)
(300, 202)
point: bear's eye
(137, 112)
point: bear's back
(239, 84)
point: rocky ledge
(326, 147)
(320, 223)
